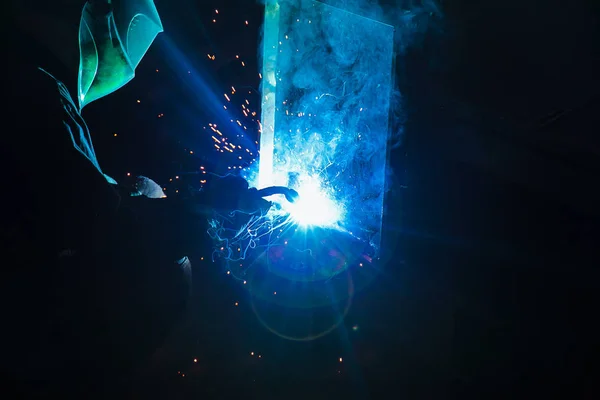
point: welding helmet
(114, 35)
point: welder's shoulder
(32, 122)
(28, 84)
(35, 109)
(38, 150)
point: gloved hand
(232, 193)
(290, 194)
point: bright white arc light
(314, 206)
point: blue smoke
(327, 85)
(328, 104)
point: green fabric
(112, 41)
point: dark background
(491, 229)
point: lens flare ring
(323, 332)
